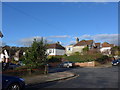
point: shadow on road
(40, 86)
(57, 69)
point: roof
(84, 42)
(112, 45)
(55, 46)
(105, 44)
(97, 44)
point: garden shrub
(54, 59)
(86, 57)
(102, 59)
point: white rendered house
(55, 49)
(106, 48)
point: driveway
(104, 77)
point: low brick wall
(86, 64)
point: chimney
(77, 40)
(1, 35)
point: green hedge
(86, 58)
(24, 72)
(102, 59)
(52, 59)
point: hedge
(52, 59)
(86, 58)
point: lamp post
(1, 63)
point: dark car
(12, 83)
(21, 63)
(13, 66)
(66, 64)
(9, 66)
(116, 62)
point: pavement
(38, 79)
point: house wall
(69, 50)
(78, 49)
(51, 52)
(74, 49)
(60, 52)
(103, 49)
(54, 52)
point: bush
(54, 59)
(24, 72)
(76, 53)
(86, 58)
(102, 59)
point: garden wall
(86, 64)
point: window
(69, 49)
(50, 51)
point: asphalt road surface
(105, 77)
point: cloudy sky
(59, 21)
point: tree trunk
(46, 69)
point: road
(104, 77)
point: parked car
(116, 62)
(13, 66)
(12, 83)
(66, 64)
(21, 63)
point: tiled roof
(55, 46)
(112, 45)
(84, 42)
(105, 44)
(97, 44)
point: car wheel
(67, 66)
(14, 86)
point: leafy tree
(115, 50)
(35, 56)
(85, 49)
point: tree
(115, 50)
(85, 49)
(35, 56)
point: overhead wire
(33, 17)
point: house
(69, 49)
(55, 49)
(78, 47)
(106, 48)
(4, 57)
(97, 45)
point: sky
(59, 21)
